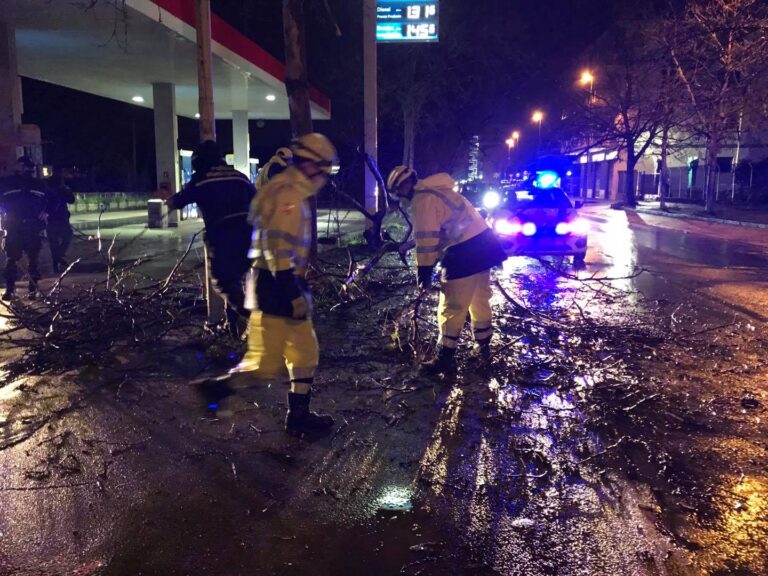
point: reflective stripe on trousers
(457, 297)
(276, 343)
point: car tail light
(507, 227)
(578, 226)
(529, 229)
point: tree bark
(710, 192)
(297, 86)
(664, 176)
(629, 184)
(296, 83)
(409, 133)
(204, 70)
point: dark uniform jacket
(223, 195)
(22, 199)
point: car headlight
(491, 199)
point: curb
(739, 223)
(109, 223)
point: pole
(370, 97)
(204, 70)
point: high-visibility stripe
(222, 179)
(280, 235)
(268, 253)
(428, 234)
(297, 372)
(444, 199)
(447, 341)
(427, 250)
(481, 325)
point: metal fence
(96, 201)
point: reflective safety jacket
(448, 227)
(275, 166)
(281, 240)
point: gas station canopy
(118, 49)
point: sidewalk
(109, 219)
(722, 215)
(753, 233)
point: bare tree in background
(628, 108)
(720, 51)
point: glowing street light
(516, 135)
(587, 78)
(537, 117)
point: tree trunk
(629, 184)
(297, 85)
(710, 192)
(664, 176)
(204, 70)
(409, 133)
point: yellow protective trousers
(276, 343)
(457, 297)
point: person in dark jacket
(59, 228)
(223, 195)
(24, 204)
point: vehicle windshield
(540, 199)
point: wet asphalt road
(419, 479)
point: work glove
(424, 276)
(302, 308)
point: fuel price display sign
(407, 21)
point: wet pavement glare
(600, 441)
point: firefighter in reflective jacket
(276, 165)
(280, 331)
(25, 206)
(448, 228)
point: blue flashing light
(232, 356)
(547, 179)
(213, 406)
(199, 356)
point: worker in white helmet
(449, 229)
(280, 332)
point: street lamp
(537, 117)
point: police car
(540, 220)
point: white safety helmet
(398, 176)
(317, 149)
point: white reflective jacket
(282, 227)
(441, 218)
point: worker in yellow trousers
(449, 229)
(280, 330)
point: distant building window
(725, 164)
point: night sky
(497, 60)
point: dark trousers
(229, 263)
(17, 243)
(59, 238)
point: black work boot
(444, 363)
(482, 350)
(8, 294)
(300, 420)
(214, 390)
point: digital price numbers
(407, 21)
